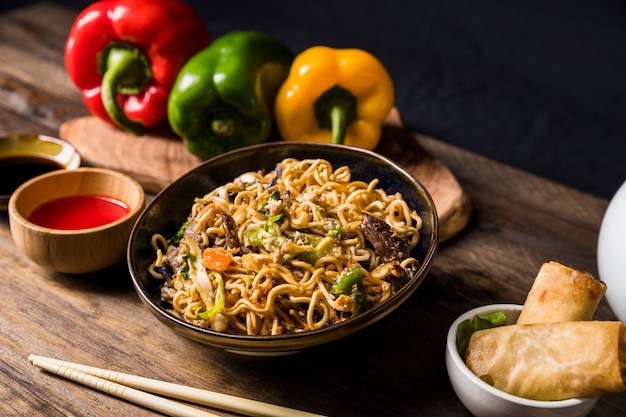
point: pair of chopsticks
(146, 392)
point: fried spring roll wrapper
(551, 361)
(560, 293)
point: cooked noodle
(296, 232)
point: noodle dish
(303, 244)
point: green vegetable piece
(323, 247)
(349, 279)
(266, 237)
(497, 318)
(468, 327)
(175, 240)
(257, 236)
(346, 283)
(270, 221)
(184, 272)
(275, 195)
(337, 233)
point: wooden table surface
(395, 369)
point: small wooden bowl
(75, 251)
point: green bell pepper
(345, 285)
(223, 97)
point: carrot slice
(215, 261)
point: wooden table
(394, 369)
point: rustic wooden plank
(395, 368)
(32, 40)
(33, 81)
(12, 123)
(43, 111)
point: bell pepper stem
(223, 123)
(223, 128)
(127, 72)
(335, 110)
(339, 126)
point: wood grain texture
(155, 160)
(396, 368)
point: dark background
(537, 84)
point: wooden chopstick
(132, 387)
(153, 402)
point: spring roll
(560, 293)
(551, 361)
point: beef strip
(230, 233)
(381, 236)
(191, 234)
(173, 258)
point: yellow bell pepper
(334, 95)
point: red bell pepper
(124, 56)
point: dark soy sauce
(16, 170)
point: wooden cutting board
(157, 159)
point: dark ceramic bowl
(170, 208)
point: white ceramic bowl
(483, 400)
(611, 251)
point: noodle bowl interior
(295, 249)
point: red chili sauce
(78, 212)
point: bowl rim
(68, 157)
(458, 362)
(134, 210)
(274, 343)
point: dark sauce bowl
(23, 157)
(171, 206)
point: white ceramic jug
(612, 253)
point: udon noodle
(292, 250)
